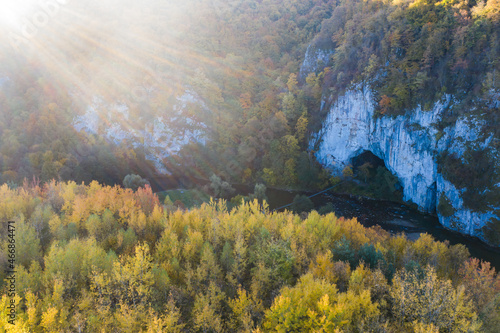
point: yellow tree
(292, 83)
(207, 310)
(301, 127)
(165, 321)
(481, 282)
(315, 306)
(430, 300)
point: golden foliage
(129, 264)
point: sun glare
(14, 13)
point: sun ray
(13, 13)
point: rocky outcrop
(316, 59)
(408, 145)
(162, 137)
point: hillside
(100, 258)
(387, 99)
(241, 89)
(415, 83)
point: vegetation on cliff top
(261, 112)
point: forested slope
(432, 66)
(99, 258)
(241, 60)
(413, 52)
(235, 57)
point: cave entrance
(371, 174)
(367, 157)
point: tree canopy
(101, 258)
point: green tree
(259, 192)
(364, 170)
(134, 182)
(28, 247)
(220, 188)
(302, 203)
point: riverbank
(394, 217)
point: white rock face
(464, 220)
(315, 59)
(407, 145)
(162, 137)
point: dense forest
(254, 130)
(92, 256)
(242, 61)
(100, 259)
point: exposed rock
(408, 145)
(161, 137)
(316, 59)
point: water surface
(391, 216)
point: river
(391, 216)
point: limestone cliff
(162, 137)
(409, 146)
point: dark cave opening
(372, 175)
(367, 157)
